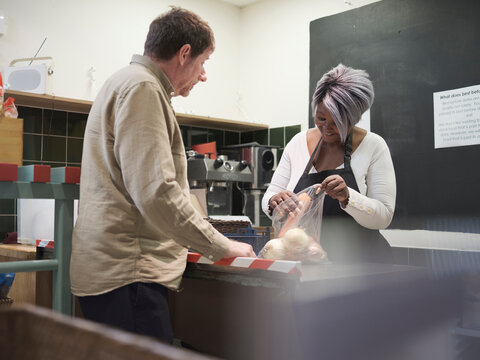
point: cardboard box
(8, 172)
(65, 175)
(11, 146)
(28, 332)
(34, 173)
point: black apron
(342, 237)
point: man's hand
(239, 249)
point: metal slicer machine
(216, 177)
(262, 160)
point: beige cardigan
(135, 218)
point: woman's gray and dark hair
(346, 93)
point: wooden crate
(11, 140)
(35, 333)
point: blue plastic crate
(254, 237)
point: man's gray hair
(346, 93)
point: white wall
(275, 45)
(104, 34)
(258, 73)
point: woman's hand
(286, 200)
(335, 187)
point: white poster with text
(456, 116)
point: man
(135, 219)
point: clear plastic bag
(298, 224)
(9, 108)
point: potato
(315, 254)
(273, 250)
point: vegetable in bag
(298, 230)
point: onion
(273, 250)
(315, 253)
(295, 241)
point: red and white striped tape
(45, 243)
(284, 266)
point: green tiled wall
(55, 138)
(281, 136)
(290, 132)
(277, 137)
(195, 135)
(50, 137)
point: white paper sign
(457, 117)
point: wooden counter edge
(18, 251)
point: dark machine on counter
(262, 160)
(212, 180)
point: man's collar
(155, 69)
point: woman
(352, 166)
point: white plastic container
(33, 78)
(36, 218)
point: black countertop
(310, 274)
(339, 311)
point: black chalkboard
(411, 49)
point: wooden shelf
(49, 102)
(83, 106)
(216, 123)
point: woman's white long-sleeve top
(373, 205)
